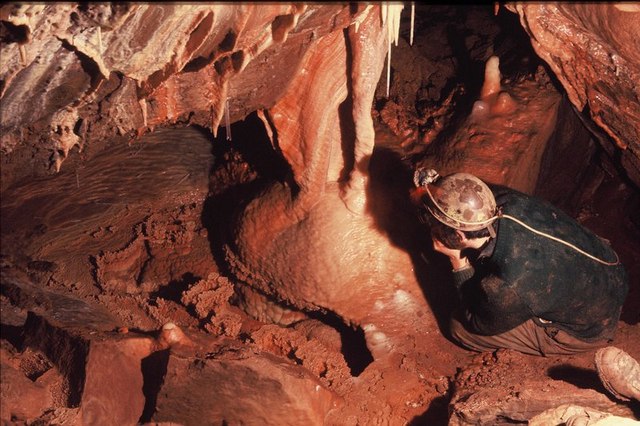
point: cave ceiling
(92, 72)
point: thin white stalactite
(100, 40)
(227, 122)
(388, 68)
(391, 17)
(396, 12)
(383, 13)
(413, 19)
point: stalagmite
(504, 103)
(480, 109)
(492, 100)
(172, 335)
(492, 78)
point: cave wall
(96, 74)
(594, 51)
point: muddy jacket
(520, 275)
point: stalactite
(23, 55)
(100, 49)
(227, 121)
(391, 17)
(413, 20)
(218, 106)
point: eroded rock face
(487, 392)
(226, 389)
(504, 137)
(94, 71)
(594, 51)
(90, 71)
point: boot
(619, 373)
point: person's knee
(469, 340)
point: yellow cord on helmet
(499, 215)
(551, 237)
(434, 176)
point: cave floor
(127, 238)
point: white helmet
(460, 200)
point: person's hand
(454, 255)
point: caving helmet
(460, 200)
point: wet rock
(65, 311)
(241, 388)
(113, 383)
(91, 86)
(603, 54)
(101, 368)
(522, 401)
(486, 141)
(570, 414)
(22, 399)
(102, 371)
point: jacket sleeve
(492, 305)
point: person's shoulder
(505, 192)
(517, 202)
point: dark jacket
(521, 275)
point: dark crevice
(12, 334)
(229, 42)
(173, 291)
(237, 60)
(196, 64)
(10, 33)
(67, 352)
(154, 369)
(223, 66)
(354, 346)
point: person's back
(554, 282)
